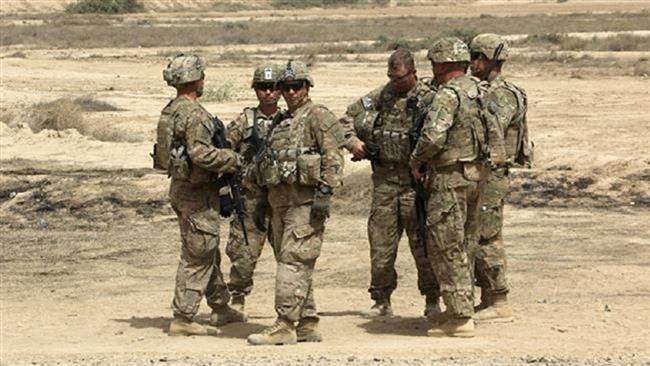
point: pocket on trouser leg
(307, 243)
(490, 222)
(202, 238)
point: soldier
(448, 157)
(380, 126)
(508, 104)
(185, 149)
(246, 134)
(300, 168)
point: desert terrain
(89, 243)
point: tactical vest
(253, 125)
(292, 155)
(517, 143)
(392, 122)
(466, 139)
(164, 138)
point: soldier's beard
(199, 92)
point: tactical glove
(320, 210)
(225, 205)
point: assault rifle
(233, 180)
(421, 192)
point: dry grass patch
(58, 115)
(303, 31)
(66, 113)
(563, 42)
(90, 104)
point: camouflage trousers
(243, 258)
(198, 271)
(489, 256)
(452, 220)
(393, 212)
(297, 245)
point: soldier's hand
(225, 205)
(320, 210)
(358, 150)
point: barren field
(90, 244)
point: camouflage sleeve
(198, 136)
(347, 124)
(353, 114)
(330, 139)
(439, 119)
(235, 132)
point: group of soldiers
(440, 151)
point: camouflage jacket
(193, 125)
(382, 118)
(453, 129)
(304, 152)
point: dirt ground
(90, 244)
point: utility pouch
(473, 172)
(270, 175)
(309, 169)
(179, 165)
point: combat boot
(432, 307)
(454, 327)
(183, 327)
(307, 330)
(238, 302)
(282, 332)
(486, 300)
(380, 308)
(497, 312)
(224, 314)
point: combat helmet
(296, 70)
(448, 49)
(266, 73)
(486, 43)
(184, 69)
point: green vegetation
(223, 93)
(104, 6)
(324, 3)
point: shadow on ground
(233, 330)
(405, 326)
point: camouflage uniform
(303, 153)
(195, 201)
(383, 118)
(240, 134)
(450, 147)
(508, 104)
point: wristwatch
(326, 190)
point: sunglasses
(293, 85)
(399, 78)
(475, 55)
(266, 86)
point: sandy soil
(90, 245)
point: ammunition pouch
(309, 169)
(394, 146)
(292, 166)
